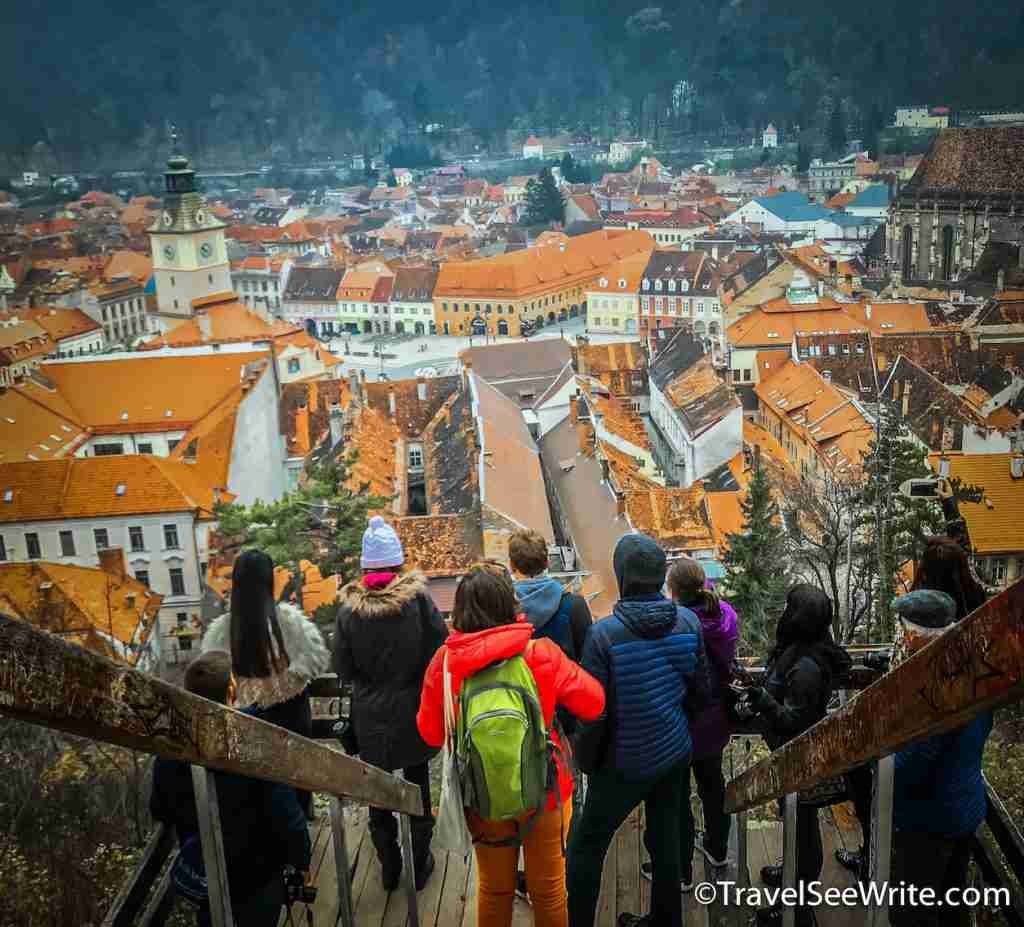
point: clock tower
(190, 259)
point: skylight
(119, 490)
(8, 495)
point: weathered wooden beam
(47, 681)
(976, 665)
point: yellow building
(613, 303)
(547, 283)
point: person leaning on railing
(276, 651)
(938, 790)
(262, 824)
(798, 683)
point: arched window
(908, 248)
(947, 252)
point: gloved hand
(758, 698)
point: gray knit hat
(381, 547)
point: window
(415, 458)
(107, 450)
(102, 538)
(177, 581)
(3, 549)
(646, 284)
(136, 539)
(145, 447)
(67, 543)
(657, 285)
(184, 643)
(947, 252)
(142, 576)
(171, 537)
(997, 570)
(293, 365)
(209, 279)
(746, 375)
(172, 284)
(32, 549)
(172, 443)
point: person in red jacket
(488, 628)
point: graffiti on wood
(48, 681)
(976, 665)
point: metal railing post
(881, 836)
(212, 839)
(408, 865)
(789, 851)
(346, 916)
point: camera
(296, 891)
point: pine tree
(757, 571)
(897, 526)
(321, 521)
(544, 201)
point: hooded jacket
(540, 597)
(802, 666)
(383, 642)
(561, 683)
(262, 823)
(938, 787)
(308, 657)
(649, 656)
(710, 728)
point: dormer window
(622, 283)
(604, 281)
(657, 285)
(646, 284)
(684, 285)
(671, 286)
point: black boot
(772, 876)
(424, 871)
(772, 917)
(390, 867)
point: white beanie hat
(381, 547)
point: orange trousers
(545, 869)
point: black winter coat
(384, 640)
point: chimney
(620, 504)
(421, 389)
(1000, 280)
(392, 407)
(337, 422)
(1017, 466)
(205, 328)
(112, 562)
(867, 311)
(821, 288)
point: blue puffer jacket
(649, 656)
(938, 787)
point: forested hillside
(280, 78)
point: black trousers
(929, 861)
(809, 854)
(707, 771)
(384, 825)
(295, 715)
(609, 801)
(260, 908)
(861, 781)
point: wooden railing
(47, 681)
(975, 666)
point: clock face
(205, 250)
(169, 252)
(168, 219)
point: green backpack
(505, 755)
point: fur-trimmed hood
(372, 603)
(308, 656)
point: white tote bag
(450, 830)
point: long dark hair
(944, 566)
(686, 581)
(254, 618)
(807, 618)
(484, 598)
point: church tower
(190, 259)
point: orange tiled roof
(374, 437)
(87, 487)
(29, 428)
(139, 393)
(996, 524)
(674, 517)
(133, 263)
(100, 611)
(820, 413)
(230, 321)
(623, 277)
(440, 545)
(520, 273)
(725, 515)
(61, 323)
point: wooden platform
(448, 899)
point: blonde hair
(686, 581)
